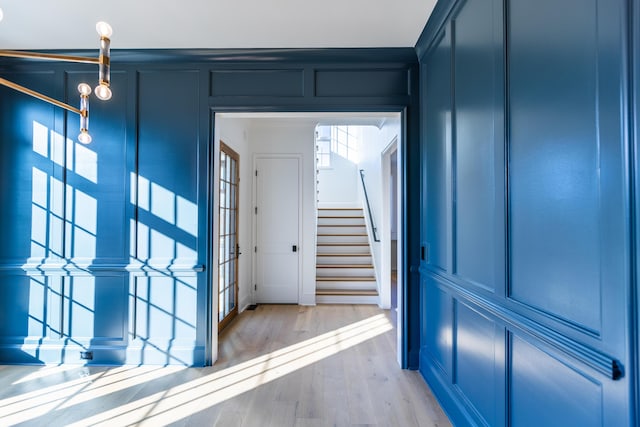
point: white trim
(385, 225)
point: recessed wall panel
(475, 356)
(31, 153)
(478, 145)
(97, 308)
(545, 391)
(166, 181)
(438, 325)
(565, 159)
(364, 83)
(25, 315)
(97, 177)
(437, 154)
(257, 83)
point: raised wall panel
(478, 158)
(167, 176)
(25, 315)
(97, 177)
(566, 158)
(97, 309)
(545, 391)
(437, 154)
(364, 83)
(30, 157)
(257, 83)
(477, 340)
(164, 321)
(437, 338)
(539, 251)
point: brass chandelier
(102, 90)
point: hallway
(280, 365)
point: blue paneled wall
(106, 247)
(527, 286)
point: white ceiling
(147, 24)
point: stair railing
(366, 198)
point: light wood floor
(280, 365)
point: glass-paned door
(228, 248)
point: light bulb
(84, 137)
(103, 92)
(104, 29)
(84, 89)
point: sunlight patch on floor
(179, 402)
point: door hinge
(256, 210)
(255, 249)
(256, 172)
(255, 287)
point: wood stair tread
(343, 234)
(341, 255)
(344, 266)
(343, 244)
(342, 225)
(352, 292)
(346, 279)
(341, 216)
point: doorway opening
(277, 135)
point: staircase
(344, 266)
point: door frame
(254, 222)
(394, 146)
(408, 298)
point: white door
(277, 221)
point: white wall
(338, 185)
(234, 133)
(374, 142)
(295, 136)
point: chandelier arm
(49, 57)
(15, 86)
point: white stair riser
(347, 285)
(343, 260)
(344, 221)
(343, 239)
(344, 250)
(340, 212)
(344, 272)
(342, 230)
(346, 299)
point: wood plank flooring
(280, 365)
